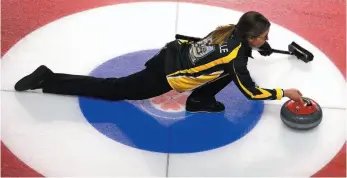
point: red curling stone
(301, 116)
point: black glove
(265, 49)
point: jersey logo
(201, 49)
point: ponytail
(251, 24)
(222, 33)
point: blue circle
(130, 123)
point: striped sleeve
(246, 85)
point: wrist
(282, 93)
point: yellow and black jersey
(193, 63)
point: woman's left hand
(265, 49)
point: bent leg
(203, 98)
(208, 91)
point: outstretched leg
(141, 85)
(147, 83)
(203, 99)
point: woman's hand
(267, 49)
(294, 95)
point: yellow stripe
(185, 83)
(278, 93)
(264, 94)
(182, 41)
(222, 60)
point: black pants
(145, 84)
(208, 91)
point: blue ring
(127, 123)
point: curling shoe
(34, 80)
(193, 105)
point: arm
(243, 80)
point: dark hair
(251, 24)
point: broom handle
(281, 51)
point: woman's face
(260, 40)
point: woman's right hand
(294, 95)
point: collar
(249, 52)
(248, 48)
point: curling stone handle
(307, 101)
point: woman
(204, 66)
